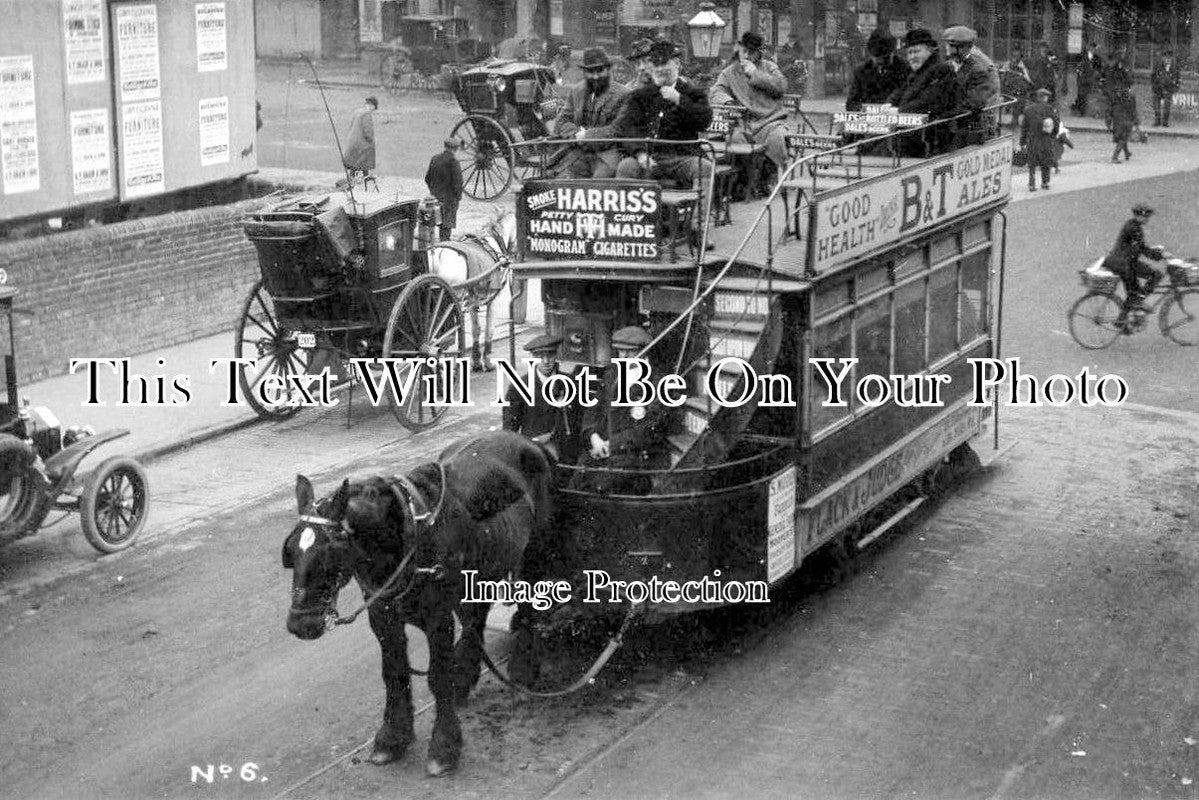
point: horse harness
(420, 520)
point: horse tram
(814, 375)
(509, 106)
(805, 384)
(344, 278)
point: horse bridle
(418, 521)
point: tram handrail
(783, 178)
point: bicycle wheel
(1093, 320)
(1179, 317)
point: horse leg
(476, 360)
(487, 324)
(445, 748)
(524, 665)
(396, 733)
(470, 649)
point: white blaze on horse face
(307, 538)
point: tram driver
(626, 438)
(558, 427)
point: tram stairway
(745, 323)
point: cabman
(559, 427)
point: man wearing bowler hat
(756, 84)
(444, 179)
(590, 111)
(639, 59)
(542, 419)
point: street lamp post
(706, 29)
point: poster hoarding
(214, 131)
(83, 32)
(91, 158)
(141, 157)
(137, 48)
(18, 125)
(211, 39)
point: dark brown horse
(485, 506)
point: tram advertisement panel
(852, 223)
(589, 219)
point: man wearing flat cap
(444, 179)
(880, 75)
(756, 84)
(626, 437)
(541, 419)
(590, 111)
(670, 108)
(978, 85)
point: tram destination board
(873, 215)
(589, 220)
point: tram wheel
(485, 157)
(425, 329)
(1093, 320)
(1179, 317)
(261, 336)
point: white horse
(477, 266)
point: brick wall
(128, 288)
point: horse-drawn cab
(506, 103)
(418, 50)
(343, 278)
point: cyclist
(1124, 261)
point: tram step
(759, 286)
(695, 415)
(733, 343)
(732, 323)
(681, 442)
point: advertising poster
(854, 223)
(137, 51)
(214, 131)
(18, 125)
(575, 219)
(781, 553)
(211, 46)
(83, 29)
(141, 126)
(91, 161)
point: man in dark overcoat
(1090, 75)
(542, 418)
(670, 108)
(1164, 81)
(1039, 128)
(978, 85)
(1125, 259)
(877, 78)
(931, 88)
(1043, 70)
(444, 179)
(591, 109)
(359, 156)
(626, 437)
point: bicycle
(1095, 318)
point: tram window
(872, 344)
(872, 279)
(941, 249)
(976, 234)
(911, 262)
(976, 271)
(831, 298)
(942, 313)
(831, 340)
(909, 328)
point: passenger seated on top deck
(754, 82)
(931, 88)
(639, 59)
(670, 108)
(563, 425)
(978, 86)
(591, 109)
(625, 438)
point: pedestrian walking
(1124, 120)
(1043, 70)
(1164, 80)
(444, 179)
(1038, 136)
(359, 156)
(1090, 75)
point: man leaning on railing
(978, 86)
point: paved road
(1043, 611)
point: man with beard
(670, 109)
(590, 111)
(757, 85)
(931, 88)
